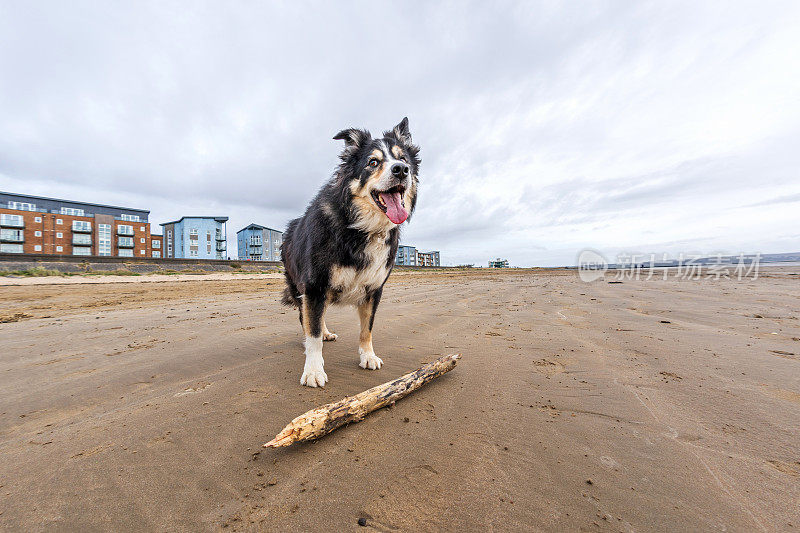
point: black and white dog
(342, 250)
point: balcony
(254, 250)
(222, 246)
(12, 235)
(254, 242)
(220, 236)
(81, 226)
(12, 221)
(125, 230)
(81, 240)
(125, 242)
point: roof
(73, 202)
(218, 219)
(257, 226)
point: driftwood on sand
(322, 420)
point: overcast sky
(544, 128)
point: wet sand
(645, 405)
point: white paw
(329, 336)
(314, 377)
(369, 360)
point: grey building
(259, 243)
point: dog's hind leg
(313, 309)
(328, 335)
(366, 314)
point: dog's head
(379, 177)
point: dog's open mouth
(391, 202)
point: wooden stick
(322, 420)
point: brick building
(428, 259)
(40, 225)
(410, 256)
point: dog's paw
(329, 336)
(369, 360)
(314, 378)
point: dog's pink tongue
(394, 207)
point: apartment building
(156, 243)
(428, 259)
(259, 243)
(41, 225)
(406, 255)
(195, 238)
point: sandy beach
(636, 406)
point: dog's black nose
(400, 170)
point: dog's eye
(373, 162)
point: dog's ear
(352, 137)
(402, 132)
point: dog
(343, 248)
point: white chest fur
(351, 284)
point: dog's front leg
(312, 317)
(366, 313)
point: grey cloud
(539, 123)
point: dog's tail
(289, 298)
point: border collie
(342, 250)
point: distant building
(498, 263)
(195, 238)
(156, 243)
(259, 243)
(428, 259)
(41, 225)
(409, 256)
(406, 255)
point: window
(130, 218)
(82, 239)
(59, 248)
(125, 252)
(37, 248)
(124, 229)
(193, 252)
(142, 240)
(156, 253)
(11, 248)
(126, 242)
(208, 236)
(37, 219)
(193, 234)
(156, 243)
(142, 252)
(14, 235)
(59, 221)
(104, 239)
(37, 233)
(72, 211)
(81, 225)
(15, 221)
(59, 235)
(81, 251)
(22, 206)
